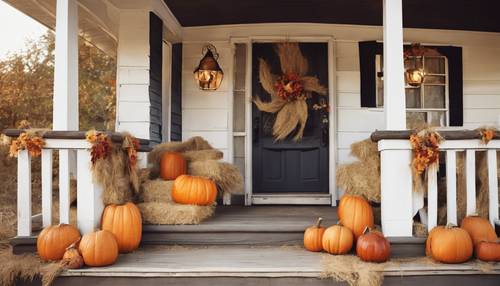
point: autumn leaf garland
(425, 145)
(27, 141)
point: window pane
(434, 65)
(380, 92)
(240, 58)
(413, 98)
(239, 111)
(436, 118)
(415, 120)
(413, 63)
(434, 79)
(434, 96)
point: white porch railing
(71, 145)
(392, 143)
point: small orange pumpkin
(479, 229)
(72, 259)
(172, 165)
(449, 244)
(193, 190)
(53, 241)
(355, 213)
(372, 246)
(488, 251)
(313, 236)
(99, 248)
(338, 239)
(125, 222)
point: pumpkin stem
(339, 222)
(366, 230)
(450, 225)
(73, 245)
(318, 223)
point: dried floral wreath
(487, 134)
(425, 145)
(288, 91)
(30, 141)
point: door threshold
(291, 199)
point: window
(426, 104)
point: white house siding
(207, 113)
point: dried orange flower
(425, 145)
(101, 145)
(25, 141)
(487, 134)
(131, 145)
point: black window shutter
(367, 52)
(176, 94)
(155, 77)
(455, 83)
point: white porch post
(65, 103)
(396, 179)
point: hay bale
(157, 190)
(202, 155)
(172, 213)
(226, 176)
(353, 271)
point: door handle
(325, 134)
(255, 129)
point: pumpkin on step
(372, 246)
(488, 251)
(313, 236)
(53, 241)
(99, 248)
(72, 259)
(479, 229)
(172, 165)
(337, 239)
(355, 213)
(193, 190)
(125, 222)
(449, 244)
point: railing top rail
(78, 135)
(446, 134)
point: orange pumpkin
(99, 248)
(193, 190)
(313, 236)
(479, 229)
(172, 165)
(53, 241)
(449, 244)
(337, 239)
(488, 251)
(372, 246)
(355, 213)
(72, 258)
(125, 222)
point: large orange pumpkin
(99, 248)
(125, 222)
(372, 246)
(313, 236)
(172, 165)
(488, 251)
(337, 239)
(53, 241)
(355, 213)
(449, 244)
(479, 229)
(193, 190)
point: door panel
(288, 166)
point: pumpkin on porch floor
(372, 246)
(337, 239)
(479, 229)
(355, 213)
(53, 241)
(172, 165)
(99, 248)
(72, 259)
(449, 244)
(313, 236)
(193, 190)
(488, 251)
(125, 222)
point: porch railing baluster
(470, 178)
(493, 185)
(451, 186)
(432, 197)
(46, 187)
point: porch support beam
(398, 203)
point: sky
(15, 29)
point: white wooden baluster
(64, 186)
(46, 187)
(23, 193)
(89, 195)
(432, 189)
(451, 186)
(493, 185)
(470, 175)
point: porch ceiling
(430, 14)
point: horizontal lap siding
(176, 94)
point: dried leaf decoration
(101, 145)
(288, 91)
(487, 134)
(27, 141)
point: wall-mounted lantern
(413, 57)
(208, 74)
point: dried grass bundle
(353, 271)
(291, 58)
(202, 155)
(226, 176)
(17, 267)
(157, 190)
(172, 213)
